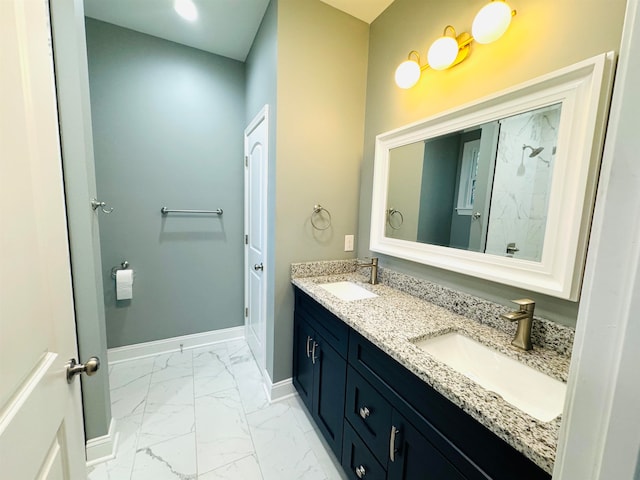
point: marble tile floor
(203, 415)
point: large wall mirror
(502, 188)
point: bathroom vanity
(389, 410)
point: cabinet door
(414, 458)
(330, 378)
(302, 365)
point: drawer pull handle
(360, 471)
(392, 443)
(313, 353)
(308, 348)
(364, 412)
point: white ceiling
(365, 10)
(223, 27)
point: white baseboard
(277, 391)
(175, 344)
(102, 448)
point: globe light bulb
(442, 53)
(491, 22)
(407, 74)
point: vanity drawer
(369, 414)
(357, 460)
(334, 331)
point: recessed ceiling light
(186, 9)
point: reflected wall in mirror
(484, 189)
(501, 188)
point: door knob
(258, 266)
(74, 368)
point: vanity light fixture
(186, 9)
(490, 23)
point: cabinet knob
(360, 471)
(364, 412)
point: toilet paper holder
(123, 266)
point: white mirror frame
(584, 91)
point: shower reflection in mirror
(480, 189)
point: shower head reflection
(534, 151)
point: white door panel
(41, 432)
(256, 154)
(256, 323)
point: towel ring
(317, 212)
(390, 213)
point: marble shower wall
(522, 184)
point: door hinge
(246, 239)
(246, 160)
(246, 311)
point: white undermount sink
(531, 391)
(348, 291)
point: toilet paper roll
(124, 284)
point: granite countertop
(394, 318)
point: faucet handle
(525, 304)
(524, 301)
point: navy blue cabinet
(327, 407)
(303, 366)
(381, 420)
(320, 367)
(413, 457)
(401, 449)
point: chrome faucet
(524, 317)
(373, 278)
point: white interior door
(256, 161)
(41, 433)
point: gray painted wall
(261, 89)
(322, 67)
(167, 126)
(72, 84)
